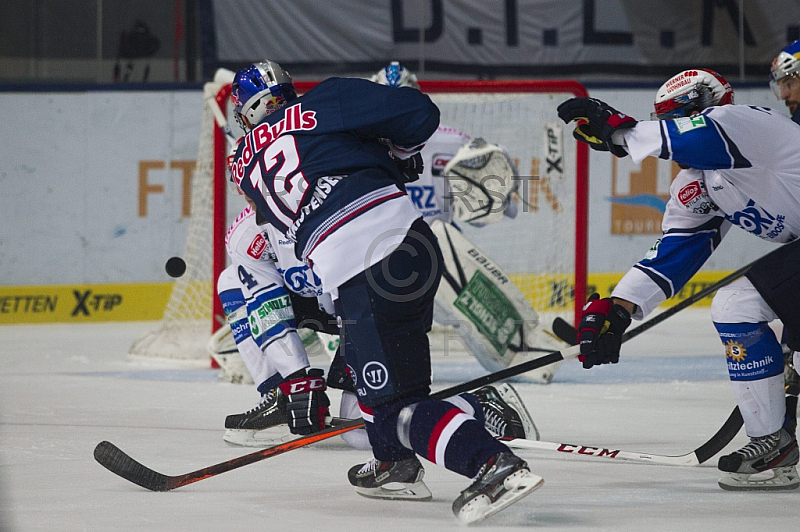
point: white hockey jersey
(744, 170)
(266, 252)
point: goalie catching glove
(305, 402)
(600, 331)
(482, 178)
(596, 123)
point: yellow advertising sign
(83, 303)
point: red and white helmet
(690, 92)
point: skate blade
(257, 438)
(518, 484)
(510, 396)
(398, 491)
(783, 479)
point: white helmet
(786, 64)
(394, 75)
(689, 92)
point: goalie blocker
(483, 305)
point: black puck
(175, 267)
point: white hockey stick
(700, 455)
(219, 117)
(210, 96)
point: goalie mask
(395, 75)
(690, 92)
(786, 64)
(482, 178)
(259, 90)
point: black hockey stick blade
(565, 332)
(694, 458)
(115, 460)
(120, 463)
(723, 437)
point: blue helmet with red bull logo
(259, 90)
(786, 64)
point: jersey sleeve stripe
(739, 160)
(663, 283)
(665, 150)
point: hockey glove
(600, 331)
(596, 123)
(411, 168)
(305, 402)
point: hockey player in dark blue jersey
(328, 169)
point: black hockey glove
(596, 123)
(600, 331)
(305, 402)
(411, 168)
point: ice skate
(501, 481)
(390, 480)
(749, 468)
(259, 427)
(505, 414)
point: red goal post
(543, 250)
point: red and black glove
(305, 402)
(600, 331)
(596, 123)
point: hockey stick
(718, 441)
(119, 463)
(210, 96)
(562, 329)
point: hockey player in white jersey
(466, 180)
(264, 270)
(268, 295)
(740, 167)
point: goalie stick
(118, 462)
(715, 444)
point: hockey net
(543, 250)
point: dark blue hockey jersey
(323, 160)
(333, 130)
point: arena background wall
(95, 200)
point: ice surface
(64, 388)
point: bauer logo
(257, 246)
(375, 375)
